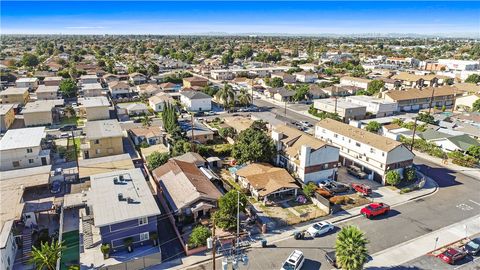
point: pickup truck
(362, 189)
(356, 171)
(375, 209)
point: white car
(325, 182)
(294, 261)
(320, 228)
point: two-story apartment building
(137, 78)
(52, 81)
(47, 92)
(40, 113)
(95, 108)
(7, 116)
(92, 90)
(414, 99)
(374, 154)
(286, 77)
(86, 79)
(354, 81)
(22, 148)
(30, 83)
(306, 77)
(157, 101)
(194, 81)
(103, 138)
(108, 78)
(15, 95)
(376, 106)
(196, 101)
(118, 88)
(346, 110)
(309, 158)
(122, 207)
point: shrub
(341, 200)
(309, 189)
(199, 236)
(392, 178)
(409, 174)
(462, 160)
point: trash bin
(264, 243)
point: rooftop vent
(120, 197)
(115, 181)
(130, 200)
(121, 177)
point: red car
(375, 209)
(362, 189)
(451, 255)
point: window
(142, 221)
(29, 150)
(31, 160)
(372, 150)
(358, 144)
(16, 164)
(325, 166)
(383, 154)
(98, 151)
(335, 135)
(96, 142)
(144, 236)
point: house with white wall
(118, 88)
(30, 83)
(308, 158)
(374, 154)
(376, 106)
(354, 81)
(196, 101)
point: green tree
(351, 248)
(309, 189)
(226, 95)
(476, 106)
(146, 121)
(170, 118)
(392, 178)
(473, 78)
(373, 126)
(68, 88)
(244, 98)
(226, 215)
(409, 174)
(374, 87)
(199, 236)
(474, 151)
(156, 159)
(426, 118)
(301, 92)
(253, 145)
(30, 60)
(275, 82)
(46, 256)
(227, 132)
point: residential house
(15, 95)
(86, 79)
(103, 138)
(467, 88)
(52, 81)
(169, 87)
(222, 74)
(376, 106)
(108, 78)
(30, 83)
(308, 67)
(94, 108)
(137, 78)
(283, 95)
(92, 166)
(449, 142)
(150, 135)
(460, 65)
(286, 77)
(409, 80)
(373, 153)
(196, 101)
(346, 110)
(316, 92)
(7, 116)
(466, 102)
(336, 91)
(118, 88)
(149, 89)
(186, 189)
(135, 211)
(92, 90)
(132, 109)
(23, 148)
(192, 157)
(266, 182)
(306, 77)
(413, 99)
(194, 81)
(200, 132)
(40, 113)
(47, 92)
(354, 81)
(309, 158)
(157, 101)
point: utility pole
(285, 108)
(238, 221)
(335, 104)
(75, 150)
(192, 127)
(214, 246)
(431, 100)
(413, 136)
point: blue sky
(161, 17)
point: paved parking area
(432, 262)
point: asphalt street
(456, 200)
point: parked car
(473, 247)
(306, 124)
(68, 128)
(375, 209)
(452, 255)
(65, 135)
(331, 258)
(325, 182)
(320, 228)
(362, 189)
(336, 187)
(294, 261)
(356, 171)
(56, 187)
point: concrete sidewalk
(391, 197)
(420, 246)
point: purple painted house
(123, 207)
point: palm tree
(46, 256)
(244, 98)
(226, 95)
(146, 121)
(351, 248)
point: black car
(473, 247)
(56, 187)
(68, 128)
(336, 187)
(331, 258)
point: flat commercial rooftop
(22, 138)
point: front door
(86, 154)
(44, 161)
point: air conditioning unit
(121, 178)
(120, 197)
(115, 181)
